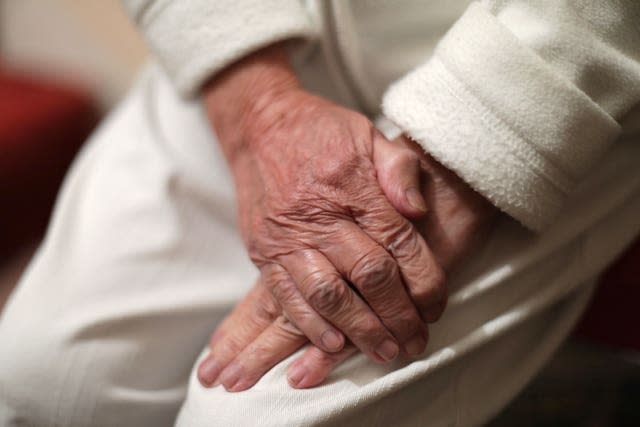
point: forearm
(237, 99)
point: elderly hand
(313, 215)
(257, 334)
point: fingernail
(387, 351)
(230, 376)
(208, 372)
(416, 200)
(415, 345)
(296, 374)
(331, 340)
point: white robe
(142, 260)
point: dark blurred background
(65, 63)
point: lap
(512, 304)
(464, 383)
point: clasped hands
(352, 233)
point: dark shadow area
(584, 385)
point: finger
(375, 274)
(298, 311)
(313, 367)
(398, 168)
(325, 290)
(275, 343)
(250, 317)
(419, 269)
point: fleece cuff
(195, 39)
(490, 109)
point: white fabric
(520, 99)
(522, 104)
(142, 260)
(194, 39)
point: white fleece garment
(492, 110)
(505, 100)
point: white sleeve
(193, 39)
(522, 97)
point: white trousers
(142, 260)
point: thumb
(398, 169)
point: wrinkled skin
(335, 255)
(257, 334)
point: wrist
(237, 98)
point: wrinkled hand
(314, 218)
(257, 335)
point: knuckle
(319, 359)
(438, 280)
(282, 288)
(404, 157)
(230, 346)
(257, 350)
(316, 279)
(327, 293)
(403, 238)
(267, 309)
(301, 315)
(407, 321)
(367, 328)
(337, 171)
(374, 273)
(287, 328)
(435, 313)
(436, 289)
